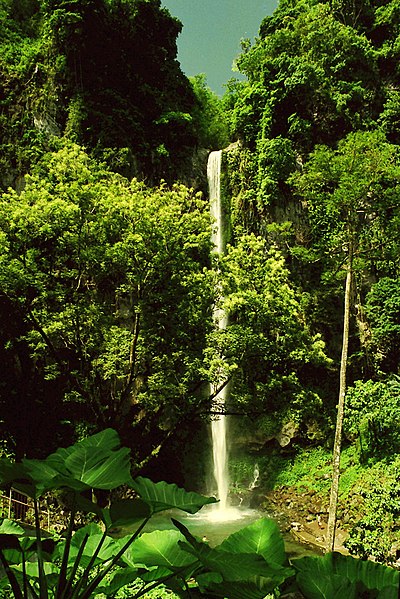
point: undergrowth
(369, 494)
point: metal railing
(18, 506)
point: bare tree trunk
(330, 533)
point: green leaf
(16, 548)
(324, 577)
(43, 476)
(89, 529)
(8, 527)
(10, 544)
(160, 548)
(99, 471)
(326, 588)
(10, 576)
(155, 574)
(237, 566)
(240, 590)
(32, 569)
(232, 566)
(119, 579)
(94, 534)
(248, 567)
(261, 537)
(95, 462)
(163, 496)
(206, 579)
(128, 511)
(108, 549)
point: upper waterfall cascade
(214, 190)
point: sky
(212, 30)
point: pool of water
(206, 525)
(214, 528)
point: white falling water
(218, 426)
(214, 190)
(256, 477)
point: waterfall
(218, 426)
(256, 476)
(214, 190)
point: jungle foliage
(316, 172)
(107, 275)
(110, 285)
(90, 561)
(317, 166)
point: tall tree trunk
(330, 533)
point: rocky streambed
(304, 514)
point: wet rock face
(196, 174)
(287, 433)
(256, 440)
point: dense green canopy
(107, 275)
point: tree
(319, 76)
(337, 443)
(267, 348)
(210, 119)
(314, 76)
(112, 282)
(373, 416)
(351, 195)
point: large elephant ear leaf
(164, 496)
(43, 475)
(324, 577)
(97, 469)
(8, 527)
(261, 537)
(327, 588)
(234, 566)
(160, 548)
(105, 549)
(96, 462)
(118, 579)
(237, 590)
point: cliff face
(103, 74)
(277, 217)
